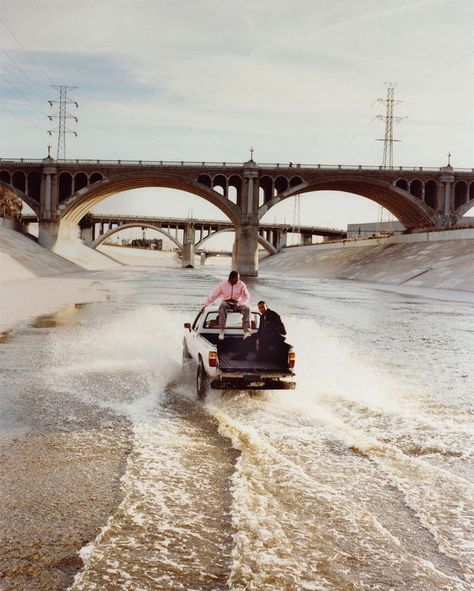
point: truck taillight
(291, 359)
(212, 359)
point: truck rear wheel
(202, 381)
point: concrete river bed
(114, 476)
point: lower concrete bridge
(189, 234)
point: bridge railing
(202, 164)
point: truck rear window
(234, 320)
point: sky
(207, 79)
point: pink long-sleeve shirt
(238, 292)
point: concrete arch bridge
(190, 235)
(62, 192)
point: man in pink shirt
(235, 298)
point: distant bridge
(62, 192)
(97, 228)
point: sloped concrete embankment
(35, 281)
(435, 260)
(23, 258)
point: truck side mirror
(187, 325)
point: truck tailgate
(228, 365)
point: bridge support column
(48, 223)
(245, 252)
(447, 205)
(87, 235)
(188, 246)
(306, 239)
(188, 255)
(281, 240)
(48, 232)
(59, 237)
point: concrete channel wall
(441, 260)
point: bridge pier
(245, 251)
(447, 196)
(58, 236)
(87, 235)
(188, 246)
(281, 240)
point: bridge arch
(461, 192)
(98, 241)
(234, 191)
(265, 189)
(411, 211)
(416, 188)
(64, 186)
(35, 206)
(73, 209)
(23, 184)
(80, 181)
(466, 206)
(266, 245)
(431, 193)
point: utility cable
(29, 56)
(23, 95)
(436, 72)
(32, 82)
(442, 88)
(3, 107)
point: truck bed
(231, 347)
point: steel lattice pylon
(389, 118)
(62, 117)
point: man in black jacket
(271, 331)
(268, 342)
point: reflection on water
(66, 317)
(361, 478)
(4, 336)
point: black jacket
(271, 327)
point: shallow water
(361, 478)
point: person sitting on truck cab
(235, 298)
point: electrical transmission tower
(389, 118)
(62, 116)
(388, 140)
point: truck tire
(202, 381)
(186, 355)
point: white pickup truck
(220, 364)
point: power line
(29, 56)
(441, 88)
(3, 107)
(342, 134)
(23, 71)
(22, 94)
(436, 72)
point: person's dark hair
(262, 302)
(233, 274)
